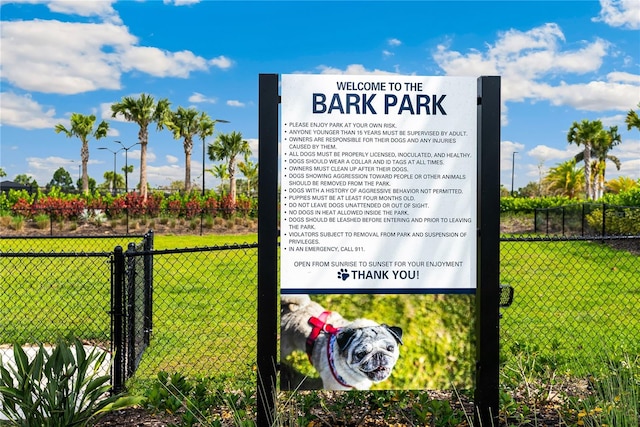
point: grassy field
(573, 301)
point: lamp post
(114, 165)
(513, 163)
(126, 164)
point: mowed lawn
(574, 301)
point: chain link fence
(571, 296)
(588, 219)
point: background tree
(584, 134)
(184, 123)
(82, 127)
(92, 184)
(206, 126)
(603, 144)
(565, 179)
(2, 173)
(143, 111)
(111, 183)
(228, 147)
(220, 171)
(532, 189)
(621, 183)
(250, 172)
(26, 180)
(632, 120)
(61, 179)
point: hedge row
(58, 205)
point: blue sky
(560, 62)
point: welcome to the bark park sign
(378, 184)
(388, 184)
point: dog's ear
(344, 338)
(396, 331)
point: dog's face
(370, 351)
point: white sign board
(378, 184)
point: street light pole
(114, 166)
(126, 164)
(513, 163)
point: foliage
(61, 179)
(629, 197)
(61, 388)
(616, 397)
(528, 205)
(624, 222)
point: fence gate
(131, 307)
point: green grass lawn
(573, 301)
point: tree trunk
(188, 146)
(84, 155)
(143, 136)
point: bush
(63, 388)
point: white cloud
(83, 57)
(394, 42)
(181, 2)
(221, 62)
(387, 53)
(543, 153)
(527, 61)
(101, 9)
(620, 13)
(235, 103)
(353, 69)
(507, 148)
(23, 112)
(171, 159)
(161, 63)
(197, 98)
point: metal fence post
(117, 317)
(131, 309)
(148, 286)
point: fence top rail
(55, 254)
(551, 238)
(226, 247)
(111, 236)
(579, 205)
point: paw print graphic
(343, 274)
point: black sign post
(267, 248)
(488, 280)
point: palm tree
(632, 120)
(143, 111)
(250, 171)
(603, 144)
(622, 183)
(585, 134)
(220, 171)
(111, 183)
(229, 146)
(184, 124)
(564, 179)
(82, 127)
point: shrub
(62, 388)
